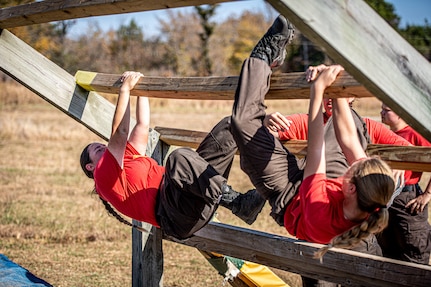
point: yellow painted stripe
(84, 79)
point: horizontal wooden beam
(346, 267)
(398, 157)
(283, 86)
(59, 10)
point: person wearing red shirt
(408, 235)
(181, 197)
(337, 212)
(295, 127)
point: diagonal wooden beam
(58, 10)
(283, 86)
(53, 84)
(355, 36)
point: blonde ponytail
(374, 187)
(376, 222)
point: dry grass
(51, 223)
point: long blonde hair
(375, 185)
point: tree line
(189, 43)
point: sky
(413, 12)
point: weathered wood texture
(53, 84)
(283, 86)
(343, 266)
(56, 10)
(398, 157)
(355, 36)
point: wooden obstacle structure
(369, 50)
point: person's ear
(89, 167)
(352, 188)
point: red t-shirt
(132, 190)
(316, 212)
(416, 139)
(379, 134)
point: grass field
(53, 225)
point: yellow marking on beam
(84, 79)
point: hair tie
(378, 208)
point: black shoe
(272, 47)
(247, 206)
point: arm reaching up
(139, 135)
(121, 121)
(345, 130)
(316, 145)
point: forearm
(143, 112)
(139, 134)
(316, 147)
(345, 130)
(315, 119)
(121, 119)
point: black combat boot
(272, 47)
(244, 205)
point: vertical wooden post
(147, 251)
(147, 257)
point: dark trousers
(191, 189)
(273, 170)
(189, 194)
(408, 236)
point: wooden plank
(355, 36)
(283, 86)
(414, 158)
(53, 84)
(147, 257)
(189, 138)
(346, 267)
(398, 157)
(58, 10)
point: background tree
(249, 29)
(419, 37)
(59, 54)
(90, 52)
(126, 47)
(386, 11)
(203, 64)
(302, 53)
(180, 31)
